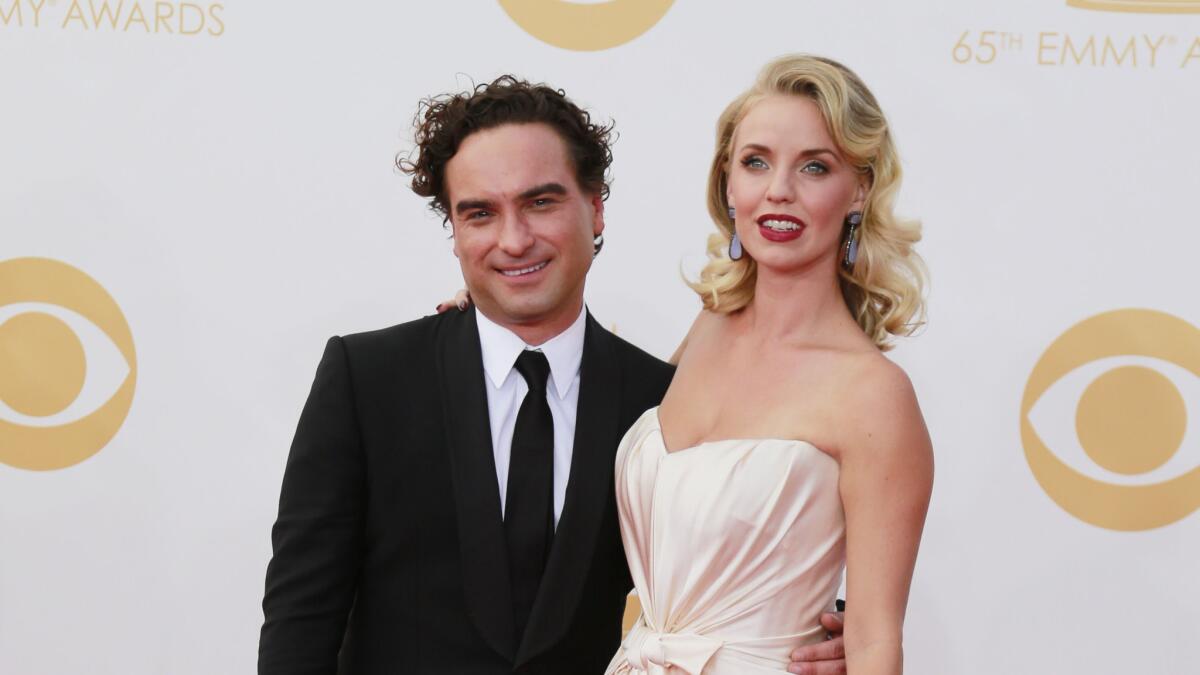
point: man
(448, 504)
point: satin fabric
(735, 547)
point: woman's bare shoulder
(704, 325)
(878, 406)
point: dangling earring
(850, 250)
(735, 244)
(597, 244)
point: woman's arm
(886, 479)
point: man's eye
(477, 215)
(543, 202)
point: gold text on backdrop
(116, 16)
(1052, 48)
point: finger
(462, 298)
(829, 650)
(834, 622)
(441, 308)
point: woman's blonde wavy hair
(884, 290)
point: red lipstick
(795, 227)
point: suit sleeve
(318, 537)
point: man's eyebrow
(468, 204)
(544, 189)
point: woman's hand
(461, 300)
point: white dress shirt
(506, 390)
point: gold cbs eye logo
(1141, 6)
(586, 27)
(1130, 420)
(61, 336)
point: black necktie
(529, 507)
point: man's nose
(515, 237)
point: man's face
(523, 227)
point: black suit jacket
(389, 550)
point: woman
(787, 444)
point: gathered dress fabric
(735, 548)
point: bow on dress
(653, 653)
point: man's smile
(523, 271)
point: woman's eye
(754, 162)
(815, 168)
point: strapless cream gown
(735, 547)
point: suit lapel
(483, 555)
(589, 489)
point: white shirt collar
(501, 347)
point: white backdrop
(224, 171)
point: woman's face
(790, 186)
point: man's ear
(454, 247)
(598, 214)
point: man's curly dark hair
(443, 122)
